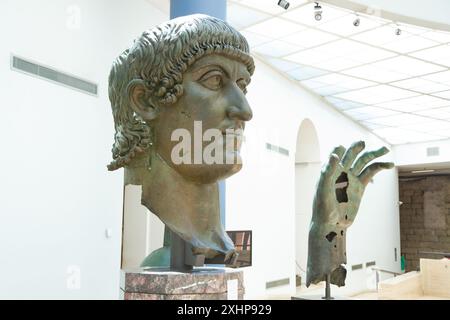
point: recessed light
(284, 4)
(422, 171)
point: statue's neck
(190, 208)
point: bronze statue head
(187, 75)
(192, 68)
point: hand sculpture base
(199, 284)
(321, 297)
(328, 288)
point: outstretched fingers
(372, 170)
(366, 158)
(339, 151)
(329, 170)
(352, 153)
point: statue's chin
(208, 173)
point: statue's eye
(212, 80)
(242, 84)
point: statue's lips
(232, 138)
(232, 134)
(233, 131)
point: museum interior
(328, 79)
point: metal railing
(377, 274)
(442, 254)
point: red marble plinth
(199, 284)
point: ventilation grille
(370, 263)
(53, 75)
(432, 151)
(278, 149)
(357, 266)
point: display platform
(204, 283)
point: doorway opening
(307, 171)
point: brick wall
(424, 218)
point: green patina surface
(338, 197)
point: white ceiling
(397, 86)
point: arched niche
(307, 171)
(307, 147)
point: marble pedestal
(198, 284)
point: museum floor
(369, 295)
(314, 290)
(430, 282)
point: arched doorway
(307, 171)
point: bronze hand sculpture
(338, 196)
(187, 73)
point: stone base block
(199, 284)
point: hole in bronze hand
(331, 236)
(341, 188)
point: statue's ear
(140, 100)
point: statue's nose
(239, 109)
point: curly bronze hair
(159, 57)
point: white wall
(57, 197)
(262, 196)
(305, 180)
(416, 153)
(135, 228)
(143, 232)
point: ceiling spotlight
(357, 21)
(317, 12)
(284, 4)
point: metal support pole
(328, 288)
(181, 256)
(177, 253)
(377, 275)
